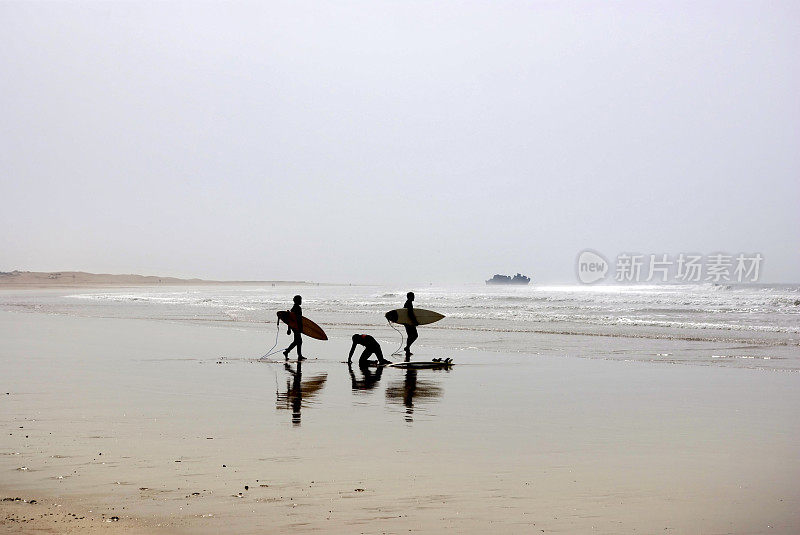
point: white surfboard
(422, 364)
(424, 317)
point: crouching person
(371, 347)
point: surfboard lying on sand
(421, 364)
(423, 316)
(310, 328)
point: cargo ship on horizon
(506, 279)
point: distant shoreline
(71, 279)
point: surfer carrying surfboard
(371, 347)
(411, 330)
(298, 331)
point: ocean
(753, 326)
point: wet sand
(178, 428)
(64, 515)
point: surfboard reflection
(298, 392)
(412, 389)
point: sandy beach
(177, 427)
(593, 207)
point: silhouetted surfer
(298, 332)
(371, 347)
(411, 330)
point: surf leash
(277, 334)
(396, 351)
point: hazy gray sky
(396, 141)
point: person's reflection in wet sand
(297, 390)
(411, 389)
(370, 379)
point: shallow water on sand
(172, 419)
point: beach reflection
(369, 378)
(410, 390)
(299, 391)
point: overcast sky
(396, 141)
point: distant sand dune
(39, 279)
